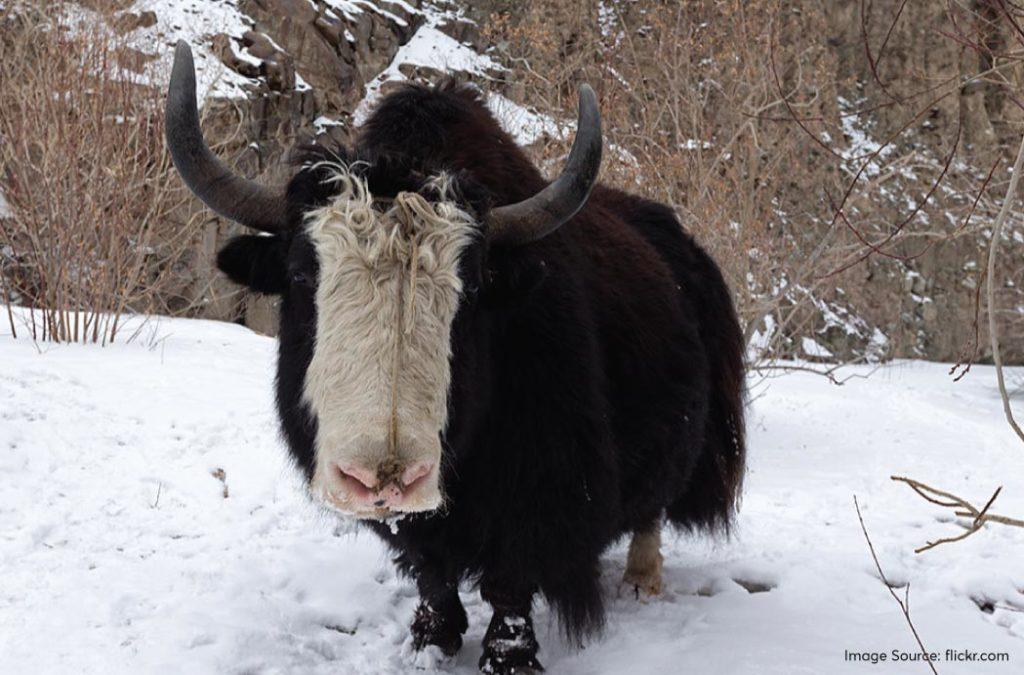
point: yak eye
(301, 278)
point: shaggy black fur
(597, 378)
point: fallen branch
(905, 602)
(827, 372)
(961, 507)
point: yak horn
(230, 195)
(546, 211)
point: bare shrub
(90, 189)
(825, 168)
(691, 96)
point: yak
(500, 376)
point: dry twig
(961, 507)
(905, 602)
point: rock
(225, 51)
(259, 45)
(130, 21)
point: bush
(89, 187)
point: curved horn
(230, 195)
(546, 211)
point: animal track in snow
(753, 586)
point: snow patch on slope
(195, 22)
(860, 147)
(813, 349)
(431, 48)
(526, 126)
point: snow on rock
(346, 8)
(429, 47)
(322, 124)
(197, 21)
(152, 523)
(194, 21)
(761, 340)
(433, 49)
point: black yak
(500, 376)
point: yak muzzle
(390, 488)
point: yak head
(371, 285)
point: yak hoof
(643, 565)
(642, 587)
(499, 666)
(510, 647)
(430, 627)
(516, 670)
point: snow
(814, 349)
(608, 21)
(390, 16)
(121, 553)
(832, 313)
(694, 144)
(346, 8)
(323, 123)
(860, 145)
(5, 208)
(760, 340)
(526, 126)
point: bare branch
(993, 329)
(905, 603)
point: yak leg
(440, 618)
(643, 565)
(510, 646)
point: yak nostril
(366, 478)
(415, 473)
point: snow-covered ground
(149, 522)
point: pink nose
(379, 488)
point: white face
(378, 381)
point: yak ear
(256, 262)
